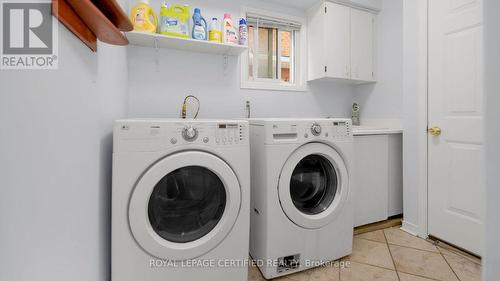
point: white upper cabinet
(341, 43)
(336, 43)
(362, 25)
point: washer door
(184, 205)
(313, 185)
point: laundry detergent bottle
(215, 33)
(143, 17)
(229, 31)
(200, 27)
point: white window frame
(300, 58)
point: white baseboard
(410, 228)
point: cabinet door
(362, 31)
(395, 175)
(370, 178)
(337, 34)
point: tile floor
(393, 255)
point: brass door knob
(435, 131)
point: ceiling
(306, 4)
(301, 4)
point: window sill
(252, 85)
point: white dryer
(180, 200)
(302, 215)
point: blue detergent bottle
(200, 27)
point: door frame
(415, 89)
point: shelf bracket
(157, 53)
(225, 63)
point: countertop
(375, 130)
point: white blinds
(267, 22)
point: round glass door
(313, 186)
(187, 204)
(184, 205)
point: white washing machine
(180, 202)
(302, 215)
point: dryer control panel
(299, 131)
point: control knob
(316, 129)
(189, 133)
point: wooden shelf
(183, 44)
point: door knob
(435, 131)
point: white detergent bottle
(229, 32)
(215, 33)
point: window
(274, 60)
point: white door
(337, 40)
(184, 205)
(313, 185)
(362, 28)
(456, 195)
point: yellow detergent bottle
(143, 17)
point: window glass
(266, 53)
(187, 204)
(273, 57)
(251, 53)
(286, 56)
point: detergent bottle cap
(214, 19)
(197, 11)
(243, 21)
(227, 16)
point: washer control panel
(342, 129)
(153, 135)
(218, 134)
(228, 133)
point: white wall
(492, 86)
(414, 115)
(55, 147)
(158, 89)
(384, 100)
(55, 141)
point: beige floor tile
(363, 272)
(377, 236)
(372, 253)
(422, 263)
(325, 273)
(396, 236)
(465, 269)
(254, 274)
(409, 277)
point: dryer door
(313, 185)
(184, 205)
